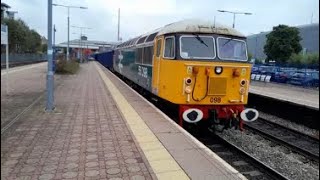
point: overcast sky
(141, 16)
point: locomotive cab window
(169, 47)
(197, 47)
(232, 49)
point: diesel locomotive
(199, 66)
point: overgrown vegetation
(22, 39)
(66, 67)
(308, 60)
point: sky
(141, 16)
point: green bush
(64, 67)
(311, 59)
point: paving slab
(25, 85)
(84, 138)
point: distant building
(5, 13)
(76, 46)
(309, 34)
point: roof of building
(5, 5)
(77, 43)
(299, 27)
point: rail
(292, 139)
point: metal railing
(20, 58)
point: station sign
(4, 34)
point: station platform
(298, 95)
(21, 68)
(102, 129)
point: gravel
(291, 165)
(290, 124)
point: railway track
(250, 167)
(294, 140)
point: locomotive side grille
(217, 86)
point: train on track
(199, 66)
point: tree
(34, 42)
(21, 38)
(44, 48)
(249, 56)
(282, 42)
(309, 60)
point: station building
(84, 47)
(309, 34)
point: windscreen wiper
(227, 41)
(199, 39)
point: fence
(305, 77)
(23, 58)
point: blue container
(105, 58)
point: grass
(64, 67)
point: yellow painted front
(225, 86)
(156, 64)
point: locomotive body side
(125, 64)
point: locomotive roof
(184, 26)
(199, 26)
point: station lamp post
(50, 85)
(234, 15)
(68, 7)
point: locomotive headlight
(242, 82)
(218, 70)
(242, 90)
(195, 70)
(188, 89)
(236, 73)
(188, 81)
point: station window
(158, 47)
(169, 47)
(147, 56)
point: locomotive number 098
(215, 99)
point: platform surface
(169, 142)
(101, 129)
(294, 94)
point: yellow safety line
(160, 160)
